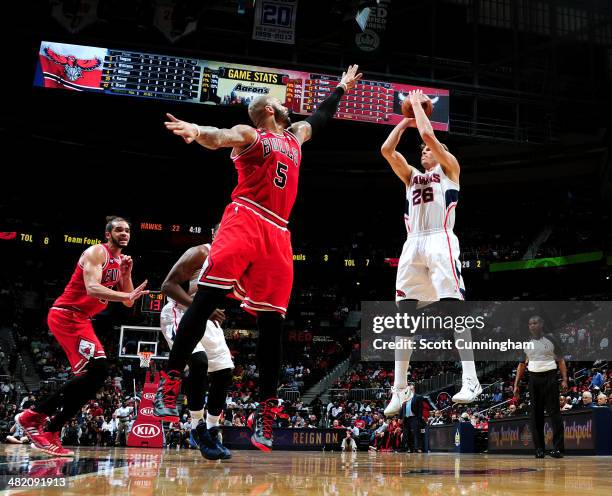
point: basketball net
(145, 358)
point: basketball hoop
(145, 358)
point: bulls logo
(149, 396)
(110, 276)
(146, 411)
(400, 294)
(73, 67)
(87, 348)
(146, 430)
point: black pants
(412, 433)
(544, 394)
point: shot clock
(153, 302)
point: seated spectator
(587, 400)
(379, 438)
(597, 380)
(565, 403)
(511, 411)
(602, 400)
(348, 443)
(17, 436)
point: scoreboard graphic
(161, 77)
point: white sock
(467, 356)
(469, 370)
(196, 416)
(212, 420)
(402, 362)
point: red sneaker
(169, 387)
(55, 445)
(33, 424)
(261, 421)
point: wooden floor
(170, 472)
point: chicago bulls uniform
(429, 268)
(213, 342)
(69, 318)
(251, 254)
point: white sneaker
(470, 390)
(399, 397)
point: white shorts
(429, 268)
(213, 342)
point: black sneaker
(169, 387)
(210, 443)
(260, 422)
(555, 454)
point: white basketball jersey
(193, 285)
(431, 199)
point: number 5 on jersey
(281, 175)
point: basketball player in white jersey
(210, 356)
(429, 268)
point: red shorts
(76, 336)
(252, 257)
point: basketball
(425, 103)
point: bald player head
(266, 107)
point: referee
(541, 361)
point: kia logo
(149, 396)
(146, 411)
(147, 430)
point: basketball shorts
(75, 334)
(429, 268)
(213, 343)
(252, 257)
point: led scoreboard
(153, 302)
(162, 77)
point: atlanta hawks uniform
(251, 255)
(70, 316)
(429, 267)
(213, 342)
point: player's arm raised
(396, 160)
(212, 137)
(182, 271)
(93, 260)
(447, 160)
(304, 130)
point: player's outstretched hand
(138, 292)
(350, 77)
(186, 130)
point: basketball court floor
(138, 471)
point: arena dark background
(529, 121)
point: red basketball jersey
(75, 295)
(268, 173)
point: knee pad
(97, 371)
(198, 363)
(221, 378)
(220, 382)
